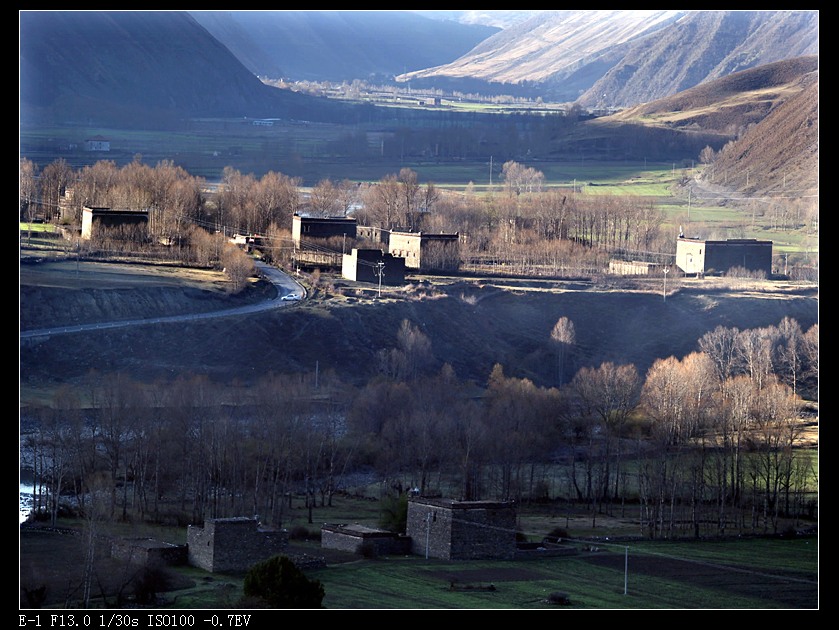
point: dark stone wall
(382, 545)
(233, 545)
(462, 530)
(720, 257)
(146, 552)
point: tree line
(703, 445)
(520, 225)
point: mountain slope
(339, 45)
(551, 46)
(766, 119)
(780, 154)
(703, 46)
(139, 68)
(493, 17)
(620, 58)
(728, 104)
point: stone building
(701, 257)
(313, 229)
(232, 544)
(98, 218)
(426, 251)
(634, 268)
(364, 265)
(97, 143)
(354, 538)
(147, 551)
(459, 530)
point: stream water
(26, 499)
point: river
(26, 499)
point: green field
(735, 574)
(713, 575)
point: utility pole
(427, 533)
(380, 266)
(625, 569)
(690, 191)
(666, 269)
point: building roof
(454, 504)
(728, 241)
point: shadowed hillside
(145, 69)
(780, 154)
(471, 325)
(339, 45)
(729, 104)
(765, 121)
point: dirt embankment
(471, 324)
(65, 293)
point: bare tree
(564, 338)
(384, 203)
(788, 351)
(28, 192)
(721, 346)
(276, 200)
(94, 185)
(754, 351)
(324, 198)
(238, 267)
(706, 155)
(410, 190)
(612, 392)
(776, 431)
(520, 421)
(520, 179)
(412, 355)
(55, 179)
(810, 348)
(430, 197)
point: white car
(291, 297)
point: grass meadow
(606, 574)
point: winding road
(285, 284)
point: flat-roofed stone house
(458, 530)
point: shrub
(394, 516)
(560, 598)
(368, 550)
(299, 532)
(35, 596)
(150, 582)
(280, 584)
(556, 534)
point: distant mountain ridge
(161, 62)
(700, 47)
(140, 68)
(620, 58)
(549, 46)
(339, 45)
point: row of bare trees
(700, 445)
(521, 224)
